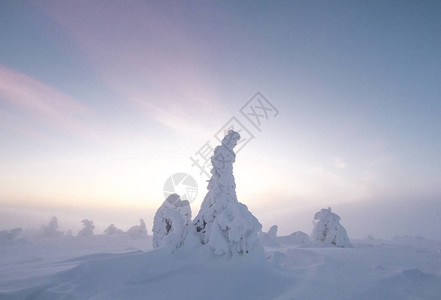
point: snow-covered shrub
(327, 229)
(296, 238)
(223, 223)
(88, 228)
(112, 230)
(271, 234)
(51, 229)
(140, 229)
(171, 222)
(10, 235)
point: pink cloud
(144, 56)
(30, 99)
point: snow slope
(122, 267)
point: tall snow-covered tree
(223, 223)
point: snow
(170, 225)
(221, 254)
(223, 223)
(112, 230)
(123, 266)
(272, 232)
(327, 230)
(140, 229)
(296, 238)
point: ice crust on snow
(87, 229)
(223, 223)
(327, 230)
(138, 230)
(171, 222)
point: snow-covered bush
(51, 229)
(271, 234)
(140, 229)
(296, 238)
(171, 222)
(10, 235)
(88, 228)
(112, 230)
(223, 223)
(327, 230)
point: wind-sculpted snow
(223, 223)
(171, 223)
(327, 230)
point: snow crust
(327, 230)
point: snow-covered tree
(295, 238)
(171, 222)
(112, 230)
(223, 223)
(271, 234)
(327, 229)
(51, 229)
(10, 234)
(88, 228)
(140, 229)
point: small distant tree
(140, 229)
(87, 229)
(112, 230)
(51, 229)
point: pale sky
(102, 101)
